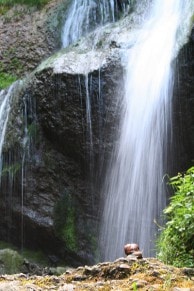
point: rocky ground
(127, 273)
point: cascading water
(5, 99)
(83, 15)
(134, 188)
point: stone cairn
(132, 250)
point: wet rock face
(64, 113)
(184, 107)
(56, 210)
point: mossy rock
(10, 262)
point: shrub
(175, 243)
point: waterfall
(84, 15)
(134, 189)
(5, 100)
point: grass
(6, 80)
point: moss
(33, 132)
(192, 19)
(11, 261)
(11, 169)
(36, 257)
(6, 245)
(65, 221)
(13, 67)
(58, 270)
(69, 230)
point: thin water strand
(134, 190)
(5, 100)
(88, 113)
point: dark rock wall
(57, 208)
(183, 112)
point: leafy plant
(134, 286)
(176, 240)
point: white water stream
(5, 101)
(83, 15)
(134, 189)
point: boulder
(53, 150)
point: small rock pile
(132, 250)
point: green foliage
(11, 261)
(134, 286)
(6, 80)
(176, 240)
(65, 219)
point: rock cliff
(60, 132)
(53, 151)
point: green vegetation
(8, 252)
(36, 257)
(10, 68)
(10, 3)
(6, 80)
(6, 245)
(12, 261)
(33, 132)
(134, 286)
(65, 219)
(11, 169)
(176, 240)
